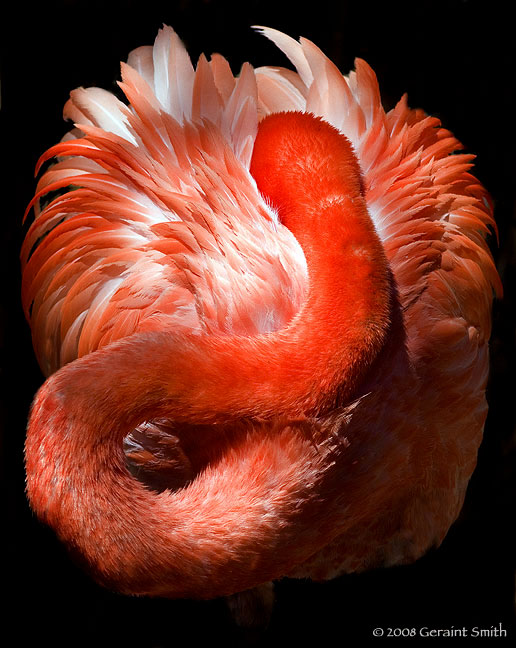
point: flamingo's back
(159, 225)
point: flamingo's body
(279, 324)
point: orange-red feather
(166, 222)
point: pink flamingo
(267, 303)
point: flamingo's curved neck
(190, 543)
(310, 173)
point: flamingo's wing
(433, 217)
(160, 223)
(431, 214)
(164, 226)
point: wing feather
(158, 221)
(157, 224)
(167, 179)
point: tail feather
(224, 79)
(141, 59)
(173, 75)
(292, 49)
(102, 109)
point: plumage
(268, 300)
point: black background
(456, 60)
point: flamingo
(263, 307)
